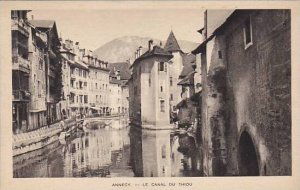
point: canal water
(124, 151)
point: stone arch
(248, 158)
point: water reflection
(113, 152)
(163, 154)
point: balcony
(19, 63)
(21, 95)
(20, 26)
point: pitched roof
(42, 23)
(45, 25)
(187, 80)
(123, 67)
(188, 64)
(202, 47)
(81, 65)
(156, 51)
(115, 81)
(172, 44)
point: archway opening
(248, 163)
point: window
(163, 151)
(96, 86)
(72, 83)
(41, 63)
(161, 66)
(220, 54)
(171, 97)
(162, 106)
(85, 99)
(248, 33)
(39, 89)
(149, 80)
(171, 81)
(161, 89)
(14, 14)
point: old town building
(246, 98)
(53, 68)
(79, 90)
(37, 51)
(68, 57)
(20, 30)
(121, 69)
(99, 86)
(149, 88)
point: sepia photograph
(149, 95)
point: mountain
(123, 48)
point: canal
(124, 151)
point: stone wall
(254, 101)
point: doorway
(248, 162)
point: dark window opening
(162, 105)
(247, 32)
(161, 66)
(220, 54)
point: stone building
(68, 57)
(115, 92)
(37, 106)
(99, 84)
(149, 88)
(20, 30)
(180, 66)
(53, 68)
(79, 89)
(124, 75)
(36, 72)
(246, 95)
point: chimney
(32, 17)
(140, 48)
(150, 45)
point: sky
(94, 28)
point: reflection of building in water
(176, 159)
(88, 155)
(136, 158)
(151, 153)
(120, 139)
(158, 153)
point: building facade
(35, 71)
(53, 68)
(99, 86)
(149, 88)
(246, 98)
(121, 72)
(20, 30)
